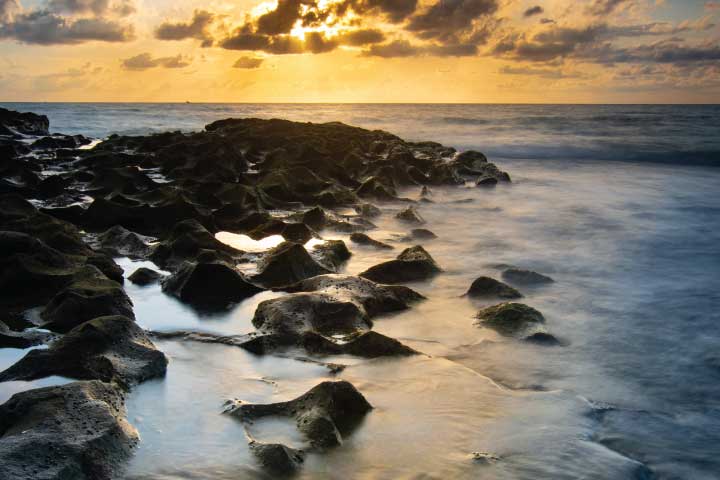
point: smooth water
(634, 248)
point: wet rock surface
(489, 287)
(510, 319)
(75, 431)
(111, 349)
(412, 265)
(286, 264)
(363, 239)
(144, 276)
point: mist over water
(604, 199)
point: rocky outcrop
(214, 285)
(111, 349)
(412, 265)
(489, 287)
(325, 414)
(12, 123)
(25, 339)
(519, 276)
(76, 431)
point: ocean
(619, 204)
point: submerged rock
(544, 339)
(277, 458)
(363, 239)
(325, 414)
(410, 215)
(212, 285)
(525, 277)
(76, 431)
(422, 234)
(413, 264)
(144, 276)
(510, 319)
(106, 348)
(489, 287)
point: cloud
(712, 6)
(604, 7)
(403, 48)
(96, 7)
(282, 19)
(145, 61)
(197, 28)
(248, 62)
(8, 9)
(664, 52)
(46, 28)
(398, 48)
(447, 19)
(552, 73)
(536, 10)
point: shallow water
(634, 248)
(635, 253)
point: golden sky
(545, 51)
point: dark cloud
(548, 44)
(248, 62)
(545, 21)
(362, 37)
(46, 28)
(551, 73)
(280, 20)
(145, 61)
(395, 10)
(8, 9)
(448, 19)
(398, 48)
(197, 28)
(536, 10)
(604, 7)
(665, 52)
(96, 7)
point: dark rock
(510, 319)
(122, 242)
(286, 264)
(315, 218)
(277, 458)
(410, 215)
(90, 295)
(324, 414)
(54, 142)
(486, 181)
(332, 254)
(367, 210)
(471, 159)
(75, 431)
(422, 234)
(363, 239)
(12, 122)
(543, 338)
(489, 287)
(413, 264)
(209, 285)
(297, 232)
(105, 348)
(188, 241)
(377, 188)
(144, 276)
(525, 277)
(25, 339)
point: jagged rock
(410, 215)
(76, 431)
(489, 287)
(25, 339)
(121, 241)
(90, 295)
(413, 264)
(324, 414)
(286, 264)
(105, 348)
(12, 122)
(525, 277)
(315, 218)
(332, 254)
(422, 234)
(190, 241)
(297, 232)
(363, 239)
(144, 276)
(510, 319)
(209, 285)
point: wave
(464, 121)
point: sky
(397, 51)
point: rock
(471, 159)
(12, 122)
(76, 431)
(25, 339)
(122, 242)
(90, 295)
(525, 277)
(510, 319)
(105, 348)
(277, 458)
(286, 264)
(298, 233)
(332, 254)
(324, 414)
(489, 287)
(486, 181)
(422, 234)
(144, 276)
(190, 241)
(213, 285)
(543, 338)
(363, 239)
(410, 215)
(413, 264)
(315, 218)
(367, 210)
(376, 188)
